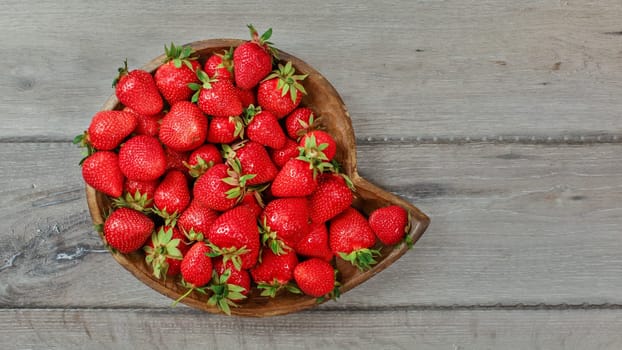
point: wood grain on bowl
(327, 103)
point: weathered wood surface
(501, 120)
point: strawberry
(247, 97)
(109, 128)
(235, 236)
(319, 144)
(228, 286)
(285, 221)
(253, 201)
(137, 89)
(274, 272)
(138, 195)
(220, 65)
(263, 127)
(164, 252)
(252, 61)
(184, 127)
(196, 269)
(281, 156)
(254, 159)
(297, 178)
(351, 238)
(281, 91)
(172, 78)
(176, 160)
(331, 197)
(391, 225)
(196, 220)
(221, 187)
(236, 277)
(225, 129)
(315, 243)
(101, 171)
(126, 230)
(216, 97)
(172, 195)
(146, 124)
(202, 159)
(142, 158)
(315, 277)
(300, 121)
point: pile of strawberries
(221, 177)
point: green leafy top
(179, 55)
(288, 81)
(207, 84)
(263, 40)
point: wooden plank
(511, 224)
(394, 329)
(405, 68)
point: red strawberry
(281, 91)
(196, 220)
(101, 171)
(274, 272)
(165, 251)
(281, 156)
(202, 159)
(300, 121)
(216, 97)
(220, 65)
(146, 125)
(172, 78)
(285, 222)
(315, 277)
(221, 187)
(247, 97)
(236, 277)
(126, 230)
(252, 61)
(184, 127)
(225, 129)
(319, 142)
(351, 239)
(176, 160)
(142, 158)
(331, 197)
(235, 236)
(109, 128)
(252, 200)
(315, 244)
(263, 127)
(172, 195)
(138, 195)
(295, 179)
(254, 159)
(228, 286)
(196, 266)
(138, 90)
(391, 225)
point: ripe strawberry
(297, 178)
(202, 159)
(109, 128)
(247, 97)
(126, 230)
(281, 91)
(235, 236)
(225, 129)
(319, 142)
(315, 243)
(300, 121)
(142, 158)
(176, 160)
(252, 61)
(254, 159)
(274, 272)
(172, 195)
(281, 156)
(284, 222)
(196, 220)
(331, 197)
(216, 97)
(138, 195)
(196, 269)
(351, 239)
(263, 127)
(146, 124)
(391, 225)
(220, 65)
(184, 127)
(236, 277)
(315, 277)
(172, 78)
(228, 285)
(221, 187)
(164, 251)
(137, 89)
(253, 201)
(101, 171)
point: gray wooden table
(500, 119)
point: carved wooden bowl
(326, 102)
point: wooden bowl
(327, 103)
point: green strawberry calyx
(193, 236)
(288, 80)
(179, 55)
(263, 40)
(206, 81)
(314, 155)
(169, 219)
(334, 294)
(271, 239)
(362, 258)
(236, 179)
(228, 253)
(249, 113)
(225, 294)
(122, 71)
(164, 246)
(408, 238)
(227, 60)
(199, 168)
(138, 201)
(313, 124)
(271, 289)
(82, 141)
